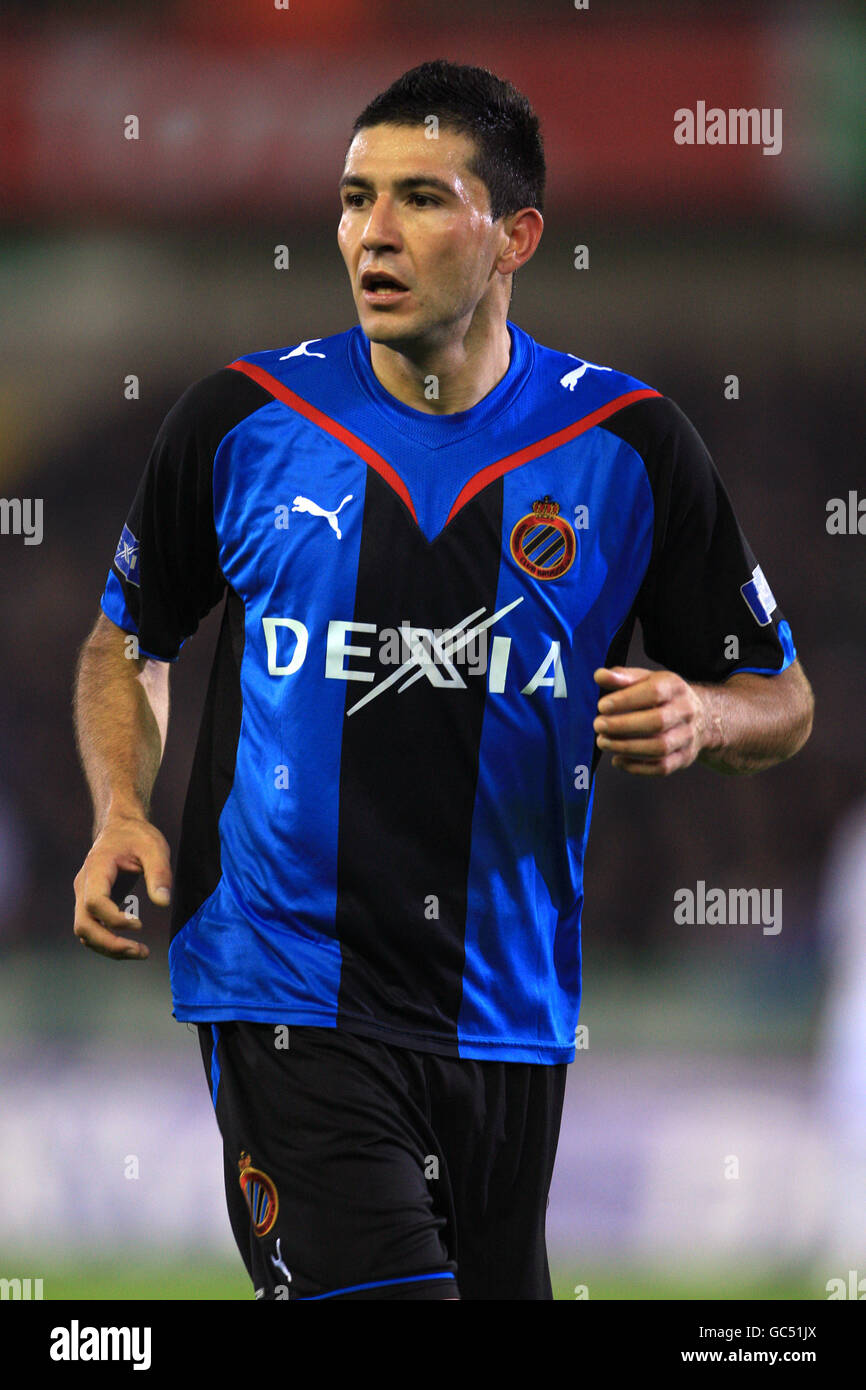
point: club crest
(543, 543)
(260, 1194)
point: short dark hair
(509, 156)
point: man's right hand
(129, 843)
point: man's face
(411, 209)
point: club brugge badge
(260, 1194)
(543, 543)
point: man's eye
(355, 200)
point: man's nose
(382, 225)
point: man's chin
(390, 333)
(389, 318)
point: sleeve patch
(759, 597)
(126, 558)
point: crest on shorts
(260, 1195)
(543, 543)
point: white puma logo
(302, 350)
(571, 379)
(278, 1263)
(303, 504)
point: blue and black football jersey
(389, 804)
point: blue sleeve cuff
(113, 605)
(790, 654)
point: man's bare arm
(121, 721)
(655, 722)
(121, 706)
(756, 721)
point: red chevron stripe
(386, 470)
(332, 427)
(543, 446)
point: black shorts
(355, 1169)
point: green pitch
(205, 1280)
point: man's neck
(447, 378)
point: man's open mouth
(381, 285)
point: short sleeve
(705, 607)
(166, 573)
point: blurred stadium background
(155, 258)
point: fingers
(644, 690)
(649, 725)
(642, 723)
(643, 751)
(154, 860)
(157, 874)
(652, 732)
(617, 677)
(96, 915)
(133, 847)
(656, 767)
(106, 943)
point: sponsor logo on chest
(401, 656)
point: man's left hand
(652, 722)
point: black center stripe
(408, 775)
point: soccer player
(435, 536)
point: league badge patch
(126, 558)
(260, 1194)
(759, 597)
(543, 543)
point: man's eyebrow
(405, 185)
